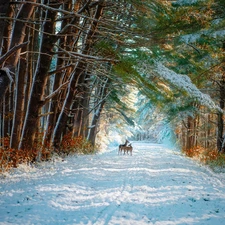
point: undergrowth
(12, 158)
(214, 159)
(76, 145)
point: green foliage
(125, 69)
(106, 49)
(183, 38)
(179, 110)
(129, 120)
(145, 110)
(218, 163)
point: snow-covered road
(156, 185)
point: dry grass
(76, 145)
(11, 158)
(213, 158)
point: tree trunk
(64, 42)
(102, 91)
(4, 7)
(79, 71)
(190, 136)
(78, 106)
(220, 114)
(41, 77)
(4, 83)
(19, 33)
(7, 29)
(17, 39)
(84, 123)
(20, 100)
(220, 120)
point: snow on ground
(156, 185)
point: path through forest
(157, 185)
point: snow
(186, 2)
(184, 83)
(219, 34)
(190, 38)
(157, 185)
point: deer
(127, 149)
(122, 146)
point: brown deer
(127, 149)
(122, 146)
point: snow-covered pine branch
(184, 82)
(186, 2)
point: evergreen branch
(128, 120)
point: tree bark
(102, 91)
(4, 7)
(20, 103)
(190, 136)
(19, 32)
(84, 123)
(220, 119)
(40, 81)
(64, 42)
(80, 68)
(4, 83)
(6, 31)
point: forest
(75, 71)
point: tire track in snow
(115, 203)
(129, 175)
